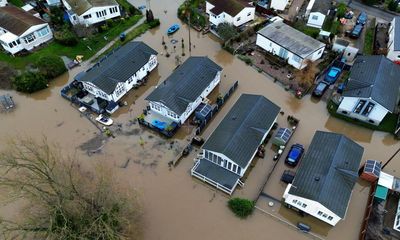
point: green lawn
(369, 40)
(18, 3)
(388, 123)
(86, 47)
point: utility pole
(190, 42)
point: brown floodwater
(177, 206)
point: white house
(88, 12)
(279, 5)
(372, 89)
(3, 3)
(235, 12)
(116, 74)
(325, 177)
(20, 30)
(228, 152)
(316, 12)
(183, 91)
(394, 40)
(288, 43)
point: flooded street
(177, 206)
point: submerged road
(372, 11)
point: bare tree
(63, 201)
(306, 76)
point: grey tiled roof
(81, 6)
(241, 131)
(374, 77)
(185, 84)
(396, 42)
(218, 174)
(328, 171)
(290, 38)
(119, 66)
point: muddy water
(177, 206)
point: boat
(104, 120)
(82, 109)
(173, 29)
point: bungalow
(372, 89)
(279, 5)
(20, 30)
(235, 12)
(288, 43)
(3, 3)
(112, 77)
(88, 12)
(317, 11)
(325, 178)
(394, 40)
(182, 92)
(230, 149)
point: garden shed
(282, 136)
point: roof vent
(234, 118)
(316, 179)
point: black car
(294, 155)
(320, 89)
(357, 30)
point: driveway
(372, 11)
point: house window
(43, 32)
(219, 160)
(87, 16)
(304, 205)
(229, 165)
(18, 42)
(314, 17)
(206, 154)
(234, 168)
(225, 163)
(249, 14)
(215, 158)
(398, 56)
(294, 201)
(238, 19)
(299, 203)
(324, 215)
(104, 12)
(360, 105)
(97, 14)
(30, 38)
(296, 58)
(330, 218)
(239, 169)
(319, 213)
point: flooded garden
(176, 206)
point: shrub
(154, 23)
(341, 10)
(56, 16)
(226, 31)
(134, 11)
(7, 73)
(241, 207)
(30, 82)
(66, 37)
(245, 59)
(51, 66)
(392, 5)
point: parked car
(320, 89)
(357, 30)
(362, 18)
(294, 155)
(332, 75)
(349, 15)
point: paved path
(372, 11)
(108, 45)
